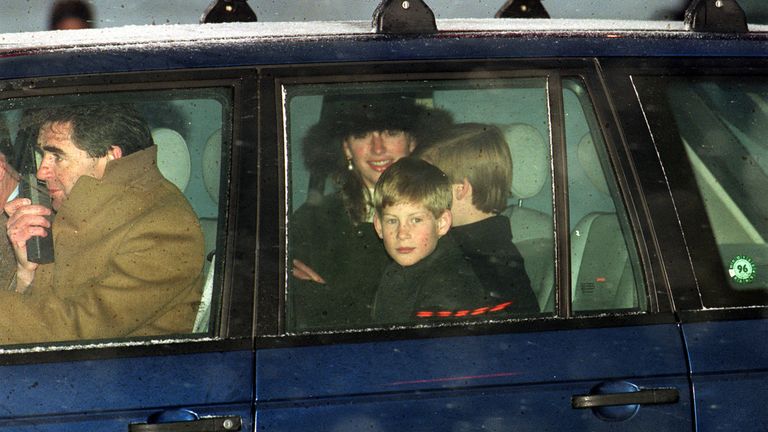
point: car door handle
(648, 396)
(209, 424)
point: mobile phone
(39, 249)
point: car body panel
(107, 394)
(517, 380)
(729, 366)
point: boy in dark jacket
(429, 278)
(476, 159)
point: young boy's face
(410, 231)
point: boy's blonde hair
(479, 153)
(411, 180)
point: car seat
(532, 230)
(173, 159)
(211, 179)
(601, 273)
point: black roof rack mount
(404, 17)
(716, 16)
(222, 11)
(522, 9)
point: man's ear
(114, 152)
(444, 223)
(377, 225)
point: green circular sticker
(742, 269)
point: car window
(135, 252)
(605, 271)
(722, 123)
(342, 272)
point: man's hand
(304, 272)
(25, 220)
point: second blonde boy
(477, 160)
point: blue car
(638, 250)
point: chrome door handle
(651, 396)
(210, 424)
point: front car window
(135, 245)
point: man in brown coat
(128, 246)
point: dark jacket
(351, 259)
(441, 285)
(487, 247)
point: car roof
(205, 46)
(149, 35)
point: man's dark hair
(98, 127)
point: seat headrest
(212, 165)
(590, 163)
(172, 156)
(530, 159)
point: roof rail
(404, 17)
(522, 9)
(221, 11)
(716, 16)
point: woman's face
(373, 152)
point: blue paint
(729, 362)
(496, 382)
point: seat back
(532, 230)
(212, 165)
(173, 158)
(601, 273)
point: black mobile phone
(39, 249)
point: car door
(710, 130)
(204, 374)
(601, 352)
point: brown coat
(7, 258)
(128, 262)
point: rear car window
(341, 137)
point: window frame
(232, 327)
(272, 80)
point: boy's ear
(444, 223)
(377, 225)
(463, 189)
